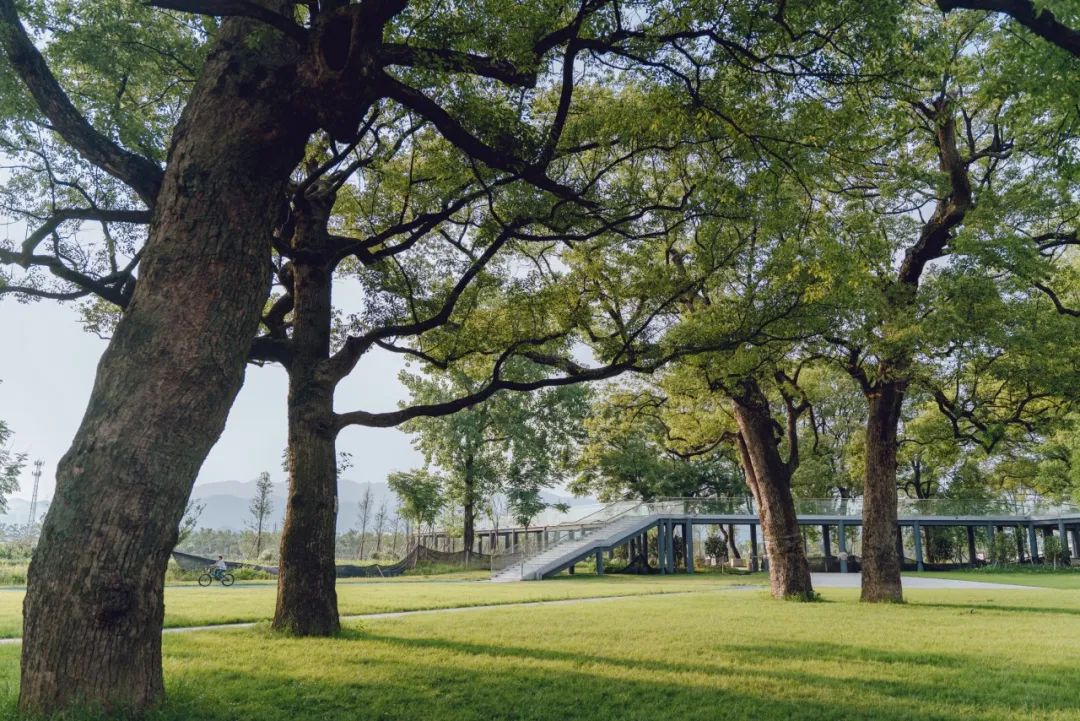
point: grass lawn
(1020, 575)
(986, 655)
(190, 605)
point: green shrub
(940, 546)
(13, 573)
(1002, 550)
(716, 547)
(1055, 551)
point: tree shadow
(386, 675)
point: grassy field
(188, 605)
(985, 655)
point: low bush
(1002, 550)
(1056, 551)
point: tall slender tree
(364, 515)
(380, 525)
(262, 505)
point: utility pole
(33, 498)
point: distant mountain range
(226, 505)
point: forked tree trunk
(769, 478)
(880, 561)
(307, 594)
(93, 609)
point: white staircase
(566, 552)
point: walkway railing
(540, 540)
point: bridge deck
(541, 551)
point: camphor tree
(206, 161)
(511, 444)
(966, 184)
(344, 83)
(631, 451)
(420, 493)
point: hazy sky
(47, 365)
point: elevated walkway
(544, 552)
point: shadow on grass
(390, 676)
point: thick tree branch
(457, 134)
(141, 174)
(266, 349)
(950, 210)
(1061, 307)
(66, 214)
(342, 362)
(1041, 22)
(236, 8)
(457, 62)
(494, 385)
(115, 287)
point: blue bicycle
(224, 577)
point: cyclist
(218, 568)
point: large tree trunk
(307, 593)
(880, 562)
(769, 478)
(93, 610)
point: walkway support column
(659, 547)
(826, 544)
(599, 563)
(841, 532)
(688, 544)
(971, 545)
(669, 547)
(669, 537)
(1033, 542)
(918, 546)
(753, 547)
(1075, 533)
(900, 544)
